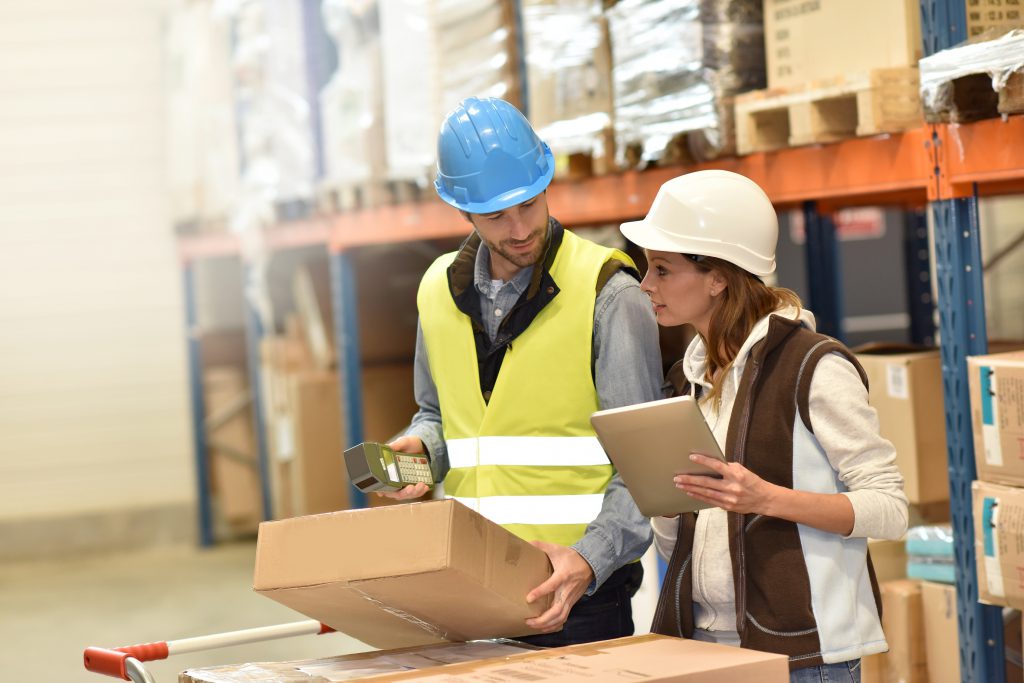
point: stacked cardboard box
(905, 387)
(996, 385)
(812, 41)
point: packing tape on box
(405, 616)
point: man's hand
(572, 575)
(413, 445)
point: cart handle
(115, 661)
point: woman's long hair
(743, 302)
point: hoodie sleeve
(846, 426)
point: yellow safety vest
(528, 459)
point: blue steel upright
(195, 385)
(961, 303)
(824, 275)
(254, 333)
(346, 340)
(920, 304)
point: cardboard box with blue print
(999, 543)
(996, 384)
(403, 575)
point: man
(523, 333)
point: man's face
(515, 236)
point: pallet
(879, 101)
(972, 98)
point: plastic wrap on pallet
(274, 102)
(476, 52)
(568, 74)
(201, 143)
(998, 58)
(351, 103)
(410, 89)
(676, 64)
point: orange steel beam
(989, 153)
(923, 164)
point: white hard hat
(711, 213)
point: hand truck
(126, 663)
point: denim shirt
(627, 370)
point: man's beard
(519, 258)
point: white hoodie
(864, 461)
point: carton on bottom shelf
(641, 659)
(403, 575)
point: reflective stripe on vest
(528, 459)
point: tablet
(649, 443)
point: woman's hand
(739, 489)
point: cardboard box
(995, 16)
(902, 621)
(942, 636)
(647, 659)
(941, 641)
(808, 40)
(388, 400)
(318, 478)
(905, 387)
(999, 543)
(644, 659)
(889, 558)
(402, 575)
(873, 668)
(996, 385)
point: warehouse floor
(51, 611)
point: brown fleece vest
(773, 594)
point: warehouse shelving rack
(941, 168)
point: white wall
(93, 379)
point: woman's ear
(717, 283)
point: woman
(779, 561)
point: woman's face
(679, 291)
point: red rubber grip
(111, 662)
(107, 662)
(146, 652)
(324, 628)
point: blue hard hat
(489, 158)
